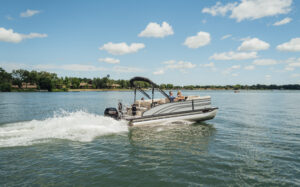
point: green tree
(5, 81)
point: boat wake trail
(75, 126)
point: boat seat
(192, 97)
(147, 103)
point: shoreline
(126, 90)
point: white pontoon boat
(153, 111)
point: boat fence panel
(182, 106)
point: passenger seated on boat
(179, 97)
(171, 96)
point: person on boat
(179, 97)
(171, 96)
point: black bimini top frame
(153, 85)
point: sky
(180, 42)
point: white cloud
(169, 62)
(293, 45)
(219, 9)
(8, 17)
(181, 65)
(292, 64)
(229, 70)
(264, 62)
(226, 36)
(122, 48)
(295, 64)
(251, 9)
(283, 22)
(209, 65)
(268, 77)
(155, 30)
(251, 67)
(159, 72)
(253, 44)
(235, 74)
(125, 69)
(8, 35)
(231, 55)
(173, 64)
(201, 39)
(29, 13)
(34, 35)
(288, 68)
(295, 75)
(109, 60)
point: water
(62, 139)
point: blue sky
(179, 42)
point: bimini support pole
(134, 95)
(152, 95)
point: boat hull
(193, 116)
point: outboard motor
(133, 108)
(111, 112)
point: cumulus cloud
(169, 62)
(226, 36)
(219, 9)
(125, 69)
(264, 62)
(231, 55)
(253, 44)
(283, 22)
(29, 13)
(8, 35)
(230, 69)
(122, 48)
(8, 17)
(173, 64)
(209, 65)
(201, 39)
(251, 67)
(292, 64)
(181, 65)
(109, 60)
(159, 72)
(157, 31)
(293, 45)
(250, 9)
(268, 77)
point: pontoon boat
(153, 111)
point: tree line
(51, 82)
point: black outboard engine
(133, 108)
(111, 112)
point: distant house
(28, 85)
(14, 86)
(85, 85)
(115, 86)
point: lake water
(63, 139)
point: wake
(75, 126)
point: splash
(75, 126)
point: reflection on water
(172, 137)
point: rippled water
(63, 139)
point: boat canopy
(143, 79)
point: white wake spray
(76, 126)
